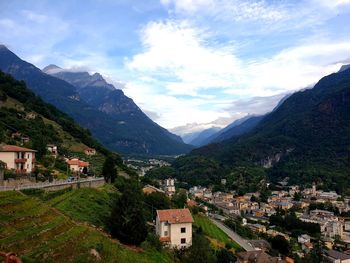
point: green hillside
(307, 138)
(23, 112)
(80, 204)
(40, 233)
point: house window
(28, 156)
(183, 229)
(183, 240)
(165, 233)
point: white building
(169, 186)
(18, 158)
(333, 229)
(174, 227)
(52, 148)
(304, 239)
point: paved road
(240, 241)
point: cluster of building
(332, 226)
(167, 187)
(22, 160)
(142, 167)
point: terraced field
(40, 233)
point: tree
(297, 196)
(200, 251)
(109, 170)
(280, 244)
(253, 199)
(224, 256)
(127, 221)
(179, 199)
(155, 201)
(264, 195)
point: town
(304, 218)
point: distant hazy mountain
(114, 119)
(344, 67)
(238, 129)
(200, 139)
(216, 135)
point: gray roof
(337, 255)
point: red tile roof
(14, 148)
(164, 239)
(78, 162)
(175, 216)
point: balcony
(20, 160)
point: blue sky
(186, 61)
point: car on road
(71, 179)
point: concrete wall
(16, 185)
(82, 184)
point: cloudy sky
(187, 61)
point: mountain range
(306, 138)
(113, 118)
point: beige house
(149, 189)
(75, 165)
(90, 151)
(52, 148)
(174, 227)
(18, 158)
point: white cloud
(333, 3)
(35, 17)
(293, 68)
(183, 54)
(188, 61)
(238, 10)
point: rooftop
(78, 162)
(258, 256)
(175, 216)
(337, 255)
(14, 148)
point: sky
(187, 62)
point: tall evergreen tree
(109, 169)
(127, 221)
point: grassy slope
(32, 228)
(83, 204)
(215, 234)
